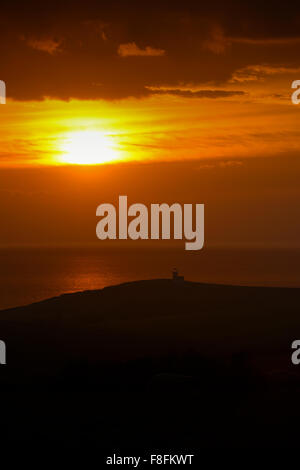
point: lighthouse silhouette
(176, 277)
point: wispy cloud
(49, 45)
(131, 49)
(284, 41)
(258, 72)
(185, 93)
(217, 42)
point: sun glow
(88, 148)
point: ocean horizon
(29, 275)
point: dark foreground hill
(151, 318)
(155, 364)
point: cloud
(214, 94)
(217, 42)
(259, 72)
(132, 50)
(51, 46)
(103, 45)
(284, 41)
(103, 35)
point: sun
(88, 147)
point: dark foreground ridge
(155, 363)
(152, 317)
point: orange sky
(205, 87)
(163, 127)
(196, 81)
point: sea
(29, 275)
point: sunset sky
(203, 86)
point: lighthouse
(176, 277)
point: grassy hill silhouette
(151, 359)
(151, 317)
